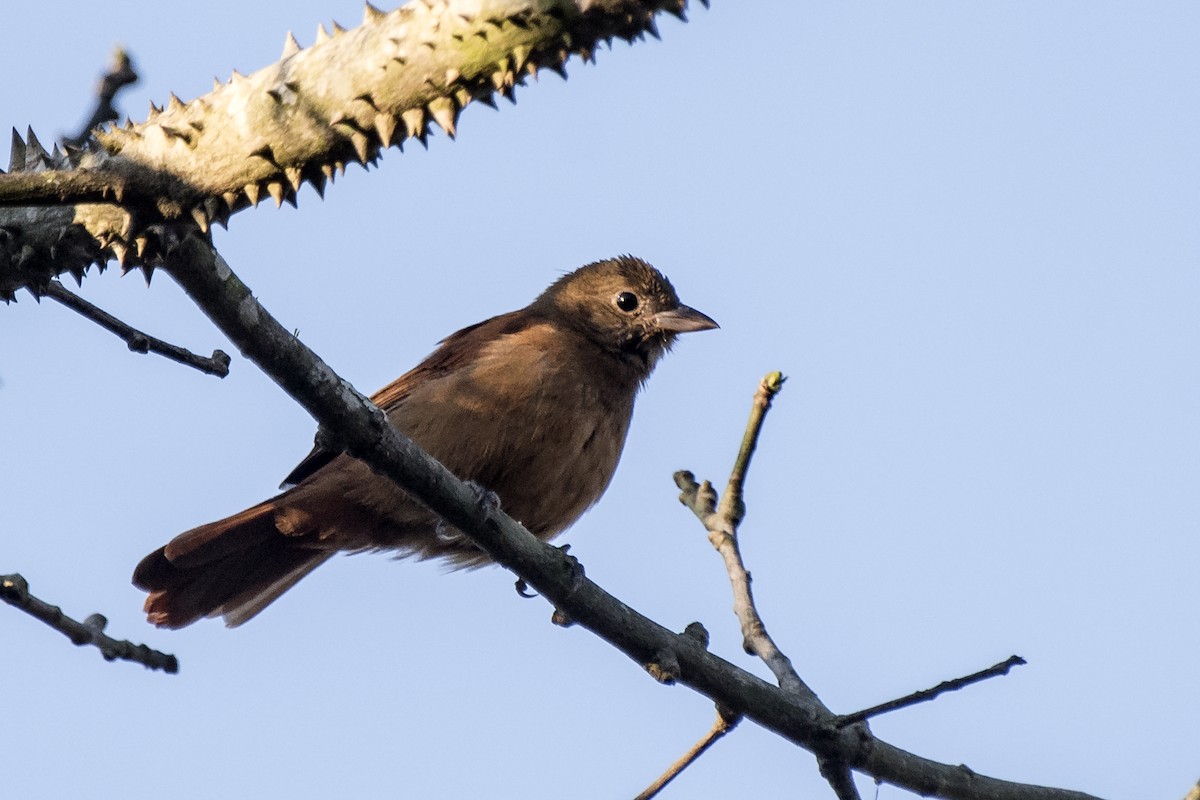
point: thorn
(520, 55)
(148, 271)
(452, 76)
(652, 28)
(174, 104)
(212, 207)
(290, 46)
(216, 83)
(236, 77)
(34, 148)
(266, 154)
(385, 126)
(120, 251)
(16, 159)
(175, 133)
(201, 218)
(372, 14)
(463, 97)
(322, 35)
(153, 112)
(252, 193)
(679, 12)
(318, 183)
(230, 199)
(327, 171)
(275, 189)
(338, 30)
(444, 113)
(414, 123)
(488, 99)
(294, 177)
(362, 145)
(140, 244)
(77, 273)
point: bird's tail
(234, 567)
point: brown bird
(533, 405)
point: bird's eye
(627, 301)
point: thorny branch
(14, 590)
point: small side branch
(726, 721)
(722, 522)
(925, 695)
(216, 364)
(121, 74)
(14, 590)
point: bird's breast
(538, 420)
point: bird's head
(624, 305)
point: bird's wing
(455, 351)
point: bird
(533, 406)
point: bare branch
(216, 364)
(722, 521)
(351, 418)
(925, 695)
(14, 590)
(724, 724)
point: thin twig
(726, 722)
(722, 521)
(121, 74)
(216, 364)
(14, 590)
(925, 695)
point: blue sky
(966, 232)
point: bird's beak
(684, 319)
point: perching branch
(216, 364)
(363, 429)
(925, 695)
(14, 590)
